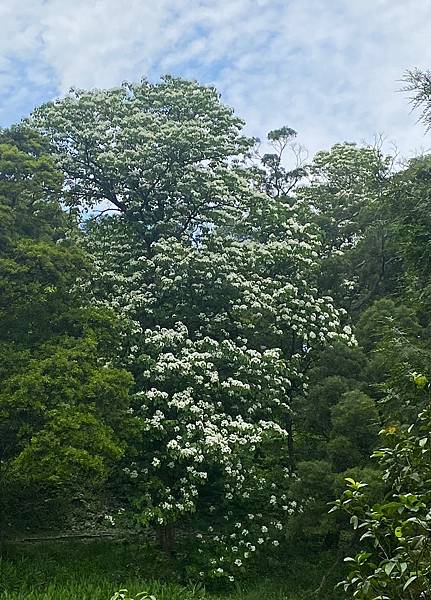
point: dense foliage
(198, 339)
(61, 403)
(397, 529)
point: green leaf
(354, 521)
(409, 581)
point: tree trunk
(290, 443)
(165, 537)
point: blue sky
(330, 69)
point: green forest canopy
(198, 339)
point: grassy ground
(94, 571)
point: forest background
(204, 337)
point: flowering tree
(214, 282)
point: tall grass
(94, 571)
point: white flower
(238, 562)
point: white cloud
(330, 69)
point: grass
(94, 571)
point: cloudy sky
(330, 69)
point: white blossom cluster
(211, 416)
(230, 289)
(216, 339)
